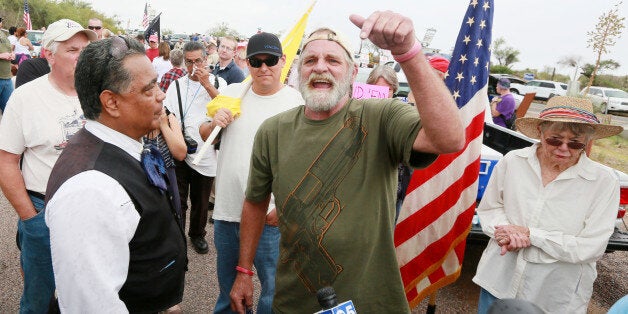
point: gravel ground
(201, 288)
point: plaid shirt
(170, 77)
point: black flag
(154, 28)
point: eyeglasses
(269, 61)
(94, 27)
(198, 61)
(556, 142)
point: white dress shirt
(92, 220)
(570, 221)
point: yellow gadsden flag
(292, 42)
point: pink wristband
(245, 271)
(408, 54)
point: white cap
(63, 30)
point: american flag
(27, 17)
(438, 209)
(145, 18)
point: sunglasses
(270, 61)
(94, 27)
(556, 142)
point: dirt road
(202, 289)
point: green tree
(606, 32)
(505, 55)
(223, 29)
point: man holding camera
(187, 98)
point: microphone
(326, 297)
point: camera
(190, 143)
(210, 67)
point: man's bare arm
(13, 187)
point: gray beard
(321, 101)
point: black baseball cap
(264, 43)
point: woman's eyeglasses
(556, 142)
(94, 27)
(269, 61)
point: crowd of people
(100, 151)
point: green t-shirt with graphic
(335, 184)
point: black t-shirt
(31, 69)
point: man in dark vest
(116, 242)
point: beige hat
(63, 30)
(325, 33)
(567, 109)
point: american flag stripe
(27, 17)
(436, 215)
(145, 17)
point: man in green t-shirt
(6, 55)
(331, 166)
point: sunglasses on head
(94, 27)
(556, 142)
(269, 61)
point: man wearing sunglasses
(263, 98)
(95, 25)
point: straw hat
(567, 109)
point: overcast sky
(544, 31)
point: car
(607, 99)
(494, 77)
(543, 89)
(174, 38)
(35, 37)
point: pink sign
(364, 91)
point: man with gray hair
(332, 167)
(117, 245)
(177, 71)
(186, 98)
(40, 118)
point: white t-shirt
(194, 99)
(161, 66)
(38, 121)
(237, 143)
(12, 39)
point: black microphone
(327, 297)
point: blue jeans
(35, 259)
(486, 300)
(6, 89)
(227, 242)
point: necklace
(187, 90)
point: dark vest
(158, 256)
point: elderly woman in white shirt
(549, 211)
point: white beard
(321, 101)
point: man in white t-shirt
(265, 97)
(195, 90)
(39, 119)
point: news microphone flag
(27, 17)
(436, 214)
(145, 17)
